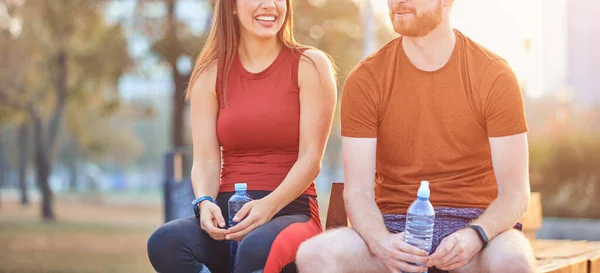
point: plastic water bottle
(419, 220)
(235, 204)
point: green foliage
(334, 27)
(104, 131)
(96, 57)
(566, 170)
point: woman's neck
(257, 54)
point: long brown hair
(223, 41)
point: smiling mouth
(266, 18)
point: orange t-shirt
(433, 125)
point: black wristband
(482, 236)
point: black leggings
(181, 246)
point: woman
(261, 112)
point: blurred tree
(173, 41)
(23, 154)
(99, 133)
(333, 26)
(2, 161)
(61, 52)
(102, 133)
(19, 155)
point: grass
(86, 238)
(92, 234)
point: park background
(92, 115)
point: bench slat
(594, 258)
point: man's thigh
(349, 250)
(508, 252)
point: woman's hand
(258, 213)
(211, 220)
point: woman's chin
(265, 35)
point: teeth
(266, 18)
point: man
(430, 105)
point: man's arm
(504, 113)
(510, 162)
(510, 159)
(359, 198)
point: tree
(172, 41)
(93, 131)
(64, 52)
(23, 154)
(2, 161)
(8, 117)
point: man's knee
(513, 254)
(311, 254)
(512, 263)
(319, 252)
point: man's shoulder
(487, 62)
(477, 54)
(377, 61)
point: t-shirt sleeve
(359, 105)
(504, 109)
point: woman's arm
(204, 107)
(318, 95)
(206, 166)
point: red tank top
(258, 127)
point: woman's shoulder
(315, 60)
(308, 53)
(205, 78)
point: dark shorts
(447, 221)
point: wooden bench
(553, 256)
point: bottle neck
(240, 192)
(423, 198)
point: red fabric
(284, 247)
(259, 124)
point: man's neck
(432, 51)
(258, 54)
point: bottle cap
(424, 190)
(241, 186)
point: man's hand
(258, 213)
(396, 254)
(456, 250)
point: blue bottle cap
(241, 186)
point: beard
(418, 24)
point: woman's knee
(164, 244)
(252, 254)
(160, 244)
